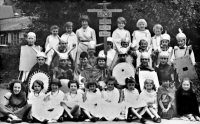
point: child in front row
(150, 97)
(130, 97)
(186, 101)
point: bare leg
(136, 113)
(153, 111)
(150, 114)
(67, 109)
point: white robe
(155, 41)
(74, 99)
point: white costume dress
(155, 42)
(138, 35)
(71, 39)
(36, 100)
(74, 99)
(110, 56)
(52, 109)
(150, 98)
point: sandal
(190, 117)
(197, 118)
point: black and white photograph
(99, 61)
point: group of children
(82, 87)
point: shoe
(61, 119)
(45, 122)
(93, 119)
(197, 118)
(103, 119)
(157, 120)
(9, 120)
(129, 119)
(116, 119)
(142, 120)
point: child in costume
(157, 29)
(141, 33)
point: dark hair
(56, 82)
(91, 83)
(84, 55)
(38, 82)
(12, 83)
(73, 82)
(129, 80)
(54, 27)
(110, 79)
(84, 18)
(154, 87)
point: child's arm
(47, 42)
(122, 97)
(94, 36)
(161, 106)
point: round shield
(123, 70)
(42, 76)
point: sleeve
(116, 40)
(47, 42)
(178, 102)
(94, 36)
(192, 58)
(134, 41)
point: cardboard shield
(184, 68)
(143, 75)
(27, 58)
(123, 70)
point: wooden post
(104, 22)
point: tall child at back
(120, 34)
(141, 33)
(157, 29)
(51, 42)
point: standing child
(130, 96)
(186, 101)
(166, 99)
(150, 97)
(141, 33)
(120, 34)
(157, 29)
(70, 37)
(51, 42)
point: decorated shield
(123, 70)
(185, 68)
(42, 76)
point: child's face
(143, 44)
(54, 87)
(186, 85)
(91, 52)
(31, 41)
(84, 24)
(181, 42)
(54, 31)
(163, 60)
(63, 62)
(165, 83)
(41, 60)
(69, 29)
(157, 31)
(17, 88)
(92, 87)
(63, 45)
(124, 44)
(101, 63)
(164, 42)
(37, 88)
(109, 45)
(144, 61)
(73, 87)
(110, 85)
(149, 85)
(141, 26)
(84, 61)
(122, 57)
(131, 86)
(120, 25)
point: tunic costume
(138, 35)
(51, 42)
(155, 41)
(118, 35)
(71, 39)
(171, 94)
